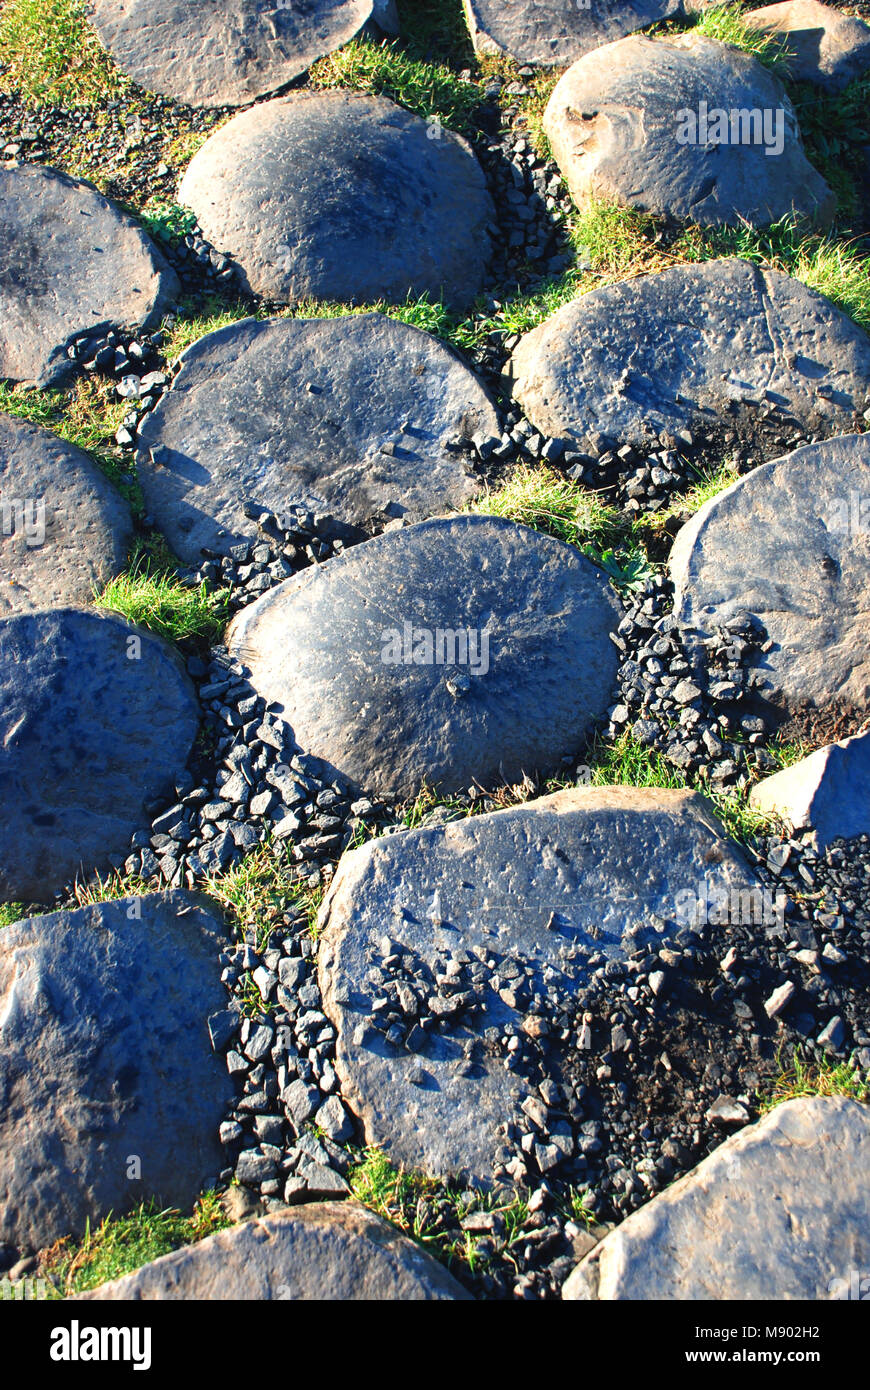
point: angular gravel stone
(637, 122)
(779, 1211)
(541, 886)
(336, 196)
(827, 793)
(461, 648)
(787, 544)
(824, 46)
(101, 1109)
(551, 33)
(683, 348)
(292, 411)
(330, 1252)
(73, 265)
(226, 52)
(64, 530)
(96, 719)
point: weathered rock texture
(823, 46)
(342, 415)
(336, 196)
(551, 33)
(827, 793)
(781, 1211)
(73, 265)
(109, 1091)
(349, 652)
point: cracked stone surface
(67, 530)
(343, 416)
(780, 1211)
(618, 125)
(324, 1251)
(338, 196)
(226, 52)
(551, 33)
(823, 45)
(349, 653)
(96, 718)
(544, 886)
(787, 543)
(687, 346)
(93, 1003)
(73, 265)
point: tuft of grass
(104, 890)
(154, 598)
(727, 24)
(166, 221)
(52, 57)
(262, 892)
(431, 90)
(625, 763)
(11, 912)
(122, 1244)
(619, 241)
(427, 800)
(827, 1079)
(436, 28)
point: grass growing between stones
(11, 912)
(431, 90)
(51, 56)
(152, 596)
(122, 1244)
(86, 893)
(262, 892)
(726, 24)
(829, 1078)
(87, 415)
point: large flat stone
(337, 196)
(96, 719)
(684, 347)
(827, 793)
(542, 886)
(342, 415)
(73, 265)
(780, 1211)
(552, 33)
(324, 1251)
(100, 1106)
(226, 52)
(787, 544)
(618, 123)
(64, 530)
(349, 653)
(823, 45)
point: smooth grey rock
(64, 530)
(823, 45)
(92, 1078)
(324, 1251)
(96, 718)
(780, 1211)
(330, 646)
(226, 52)
(297, 411)
(687, 346)
(540, 885)
(73, 265)
(787, 543)
(337, 196)
(827, 793)
(551, 33)
(617, 126)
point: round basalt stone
(111, 1092)
(224, 52)
(820, 44)
(324, 1251)
(686, 347)
(438, 944)
(73, 266)
(344, 416)
(96, 718)
(336, 196)
(64, 531)
(789, 544)
(458, 649)
(552, 33)
(684, 127)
